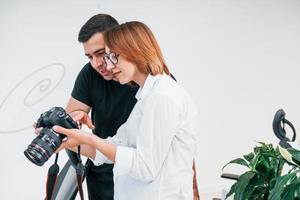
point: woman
(153, 151)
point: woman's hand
(82, 117)
(74, 137)
(79, 116)
(37, 131)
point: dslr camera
(45, 144)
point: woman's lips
(116, 74)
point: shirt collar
(149, 83)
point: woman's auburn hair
(136, 43)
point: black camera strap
(53, 172)
(80, 173)
(52, 178)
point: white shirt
(156, 146)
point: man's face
(94, 49)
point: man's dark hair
(96, 24)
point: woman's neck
(140, 79)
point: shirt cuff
(123, 160)
(100, 159)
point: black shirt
(111, 104)
(110, 101)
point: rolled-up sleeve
(156, 128)
(118, 139)
(100, 159)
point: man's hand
(82, 117)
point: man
(110, 103)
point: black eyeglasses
(112, 57)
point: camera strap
(80, 173)
(53, 172)
(52, 178)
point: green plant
(264, 179)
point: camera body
(45, 144)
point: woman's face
(123, 70)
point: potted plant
(265, 177)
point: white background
(239, 59)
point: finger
(37, 131)
(77, 116)
(89, 123)
(61, 147)
(34, 125)
(79, 125)
(74, 113)
(62, 130)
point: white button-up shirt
(156, 146)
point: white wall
(239, 59)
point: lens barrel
(43, 146)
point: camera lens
(35, 156)
(43, 146)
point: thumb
(79, 116)
(61, 147)
(76, 116)
(89, 123)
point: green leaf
(268, 154)
(266, 146)
(272, 183)
(231, 191)
(276, 166)
(264, 180)
(281, 163)
(239, 161)
(262, 166)
(295, 155)
(242, 184)
(249, 156)
(252, 188)
(292, 190)
(254, 162)
(260, 193)
(281, 183)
